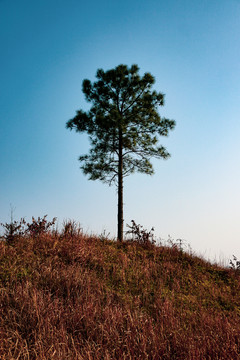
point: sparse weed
(71, 228)
(141, 235)
(13, 230)
(235, 264)
(104, 236)
(39, 226)
(180, 244)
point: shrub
(39, 226)
(235, 264)
(142, 236)
(13, 230)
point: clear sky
(192, 48)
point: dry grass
(77, 297)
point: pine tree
(123, 125)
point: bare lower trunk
(120, 190)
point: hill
(75, 296)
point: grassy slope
(82, 298)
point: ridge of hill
(76, 296)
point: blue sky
(191, 47)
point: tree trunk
(120, 189)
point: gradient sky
(192, 48)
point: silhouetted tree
(123, 125)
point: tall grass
(73, 296)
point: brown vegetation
(73, 296)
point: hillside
(75, 296)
